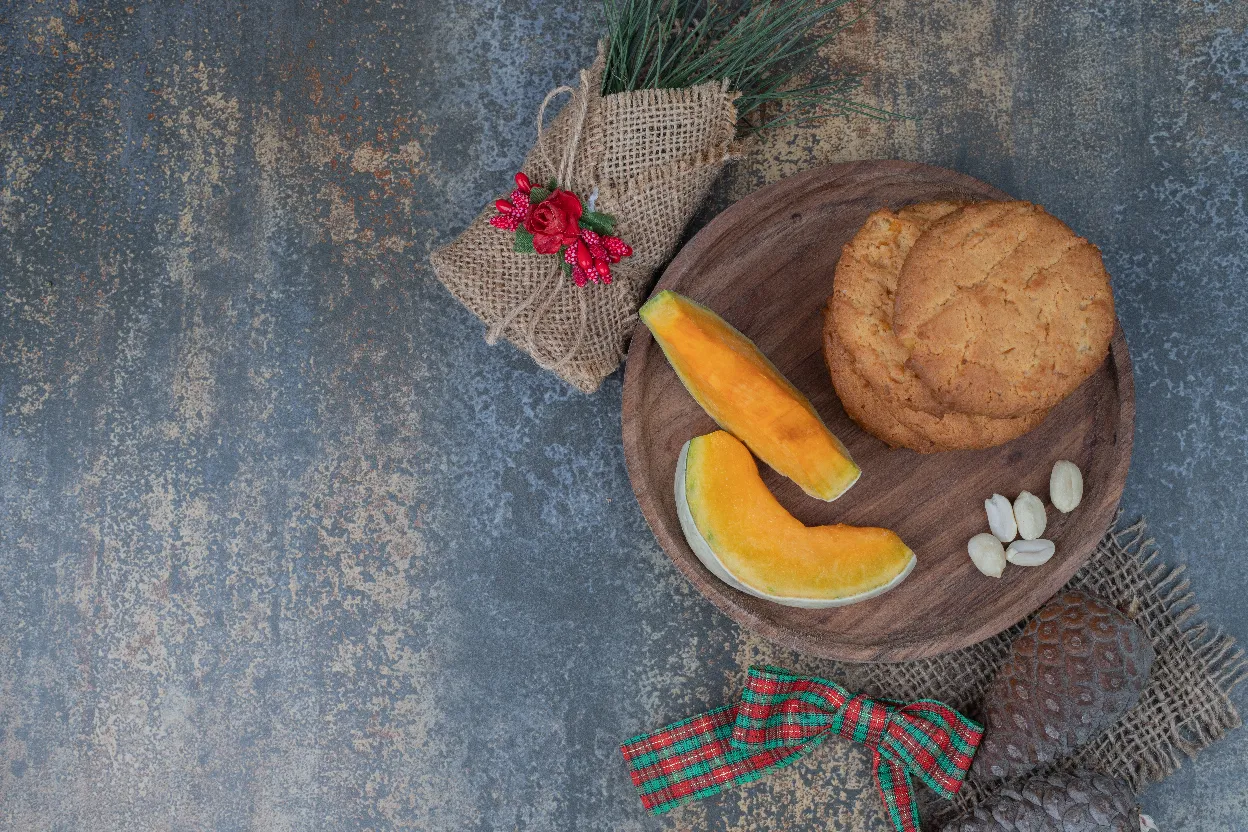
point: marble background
(285, 545)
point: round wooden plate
(766, 266)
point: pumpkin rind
(748, 397)
(761, 549)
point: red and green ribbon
(781, 717)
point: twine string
(555, 281)
(541, 126)
(581, 329)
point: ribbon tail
(893, 782)
(695, 758)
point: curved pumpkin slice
(746, 538)
(748, 397)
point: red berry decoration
(511, 215)
(547, 220)
(617, 248)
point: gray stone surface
(284, 545)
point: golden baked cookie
(967, 431)
(1003, 309)
(862, 404)
(862, 300)
(866, 360)
(902, 427)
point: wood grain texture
(766, 266)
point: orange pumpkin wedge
(748, 397)
(746, 538)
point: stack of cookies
(955, 326)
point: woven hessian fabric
(1185, 707)
(651, 155)
(782, 716)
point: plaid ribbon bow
(781, 717)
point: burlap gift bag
(649, 156)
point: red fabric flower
(553, 222)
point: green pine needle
(762, 48)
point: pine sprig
(762, 48)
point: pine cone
(1081, 801)
(1076, 669)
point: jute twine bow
(782, 716)
(555, 282)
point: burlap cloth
(651, 156)
(1185, 708)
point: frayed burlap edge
(1185, 708)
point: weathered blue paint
(284, 545)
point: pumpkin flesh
(746, 538)
(747, 396)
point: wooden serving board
(766, 266)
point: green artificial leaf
(567, 267)
(552, 185)
(524, 242)
(537, 194)
(598, 222)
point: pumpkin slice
(748, 397)
(745, 537)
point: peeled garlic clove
(987, 553)
(1001, 518)
(1065, 486)
(1030, 552)
(1030, 516)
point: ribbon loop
(780, 718)
(931, 740)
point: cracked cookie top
(862, 299)
(1002, 309)
(866, 360)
